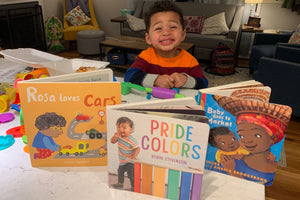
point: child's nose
(166, 31)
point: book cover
(246, 136)
(251, 90)
(65, 117)
(162, 147)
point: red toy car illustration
(82, 117)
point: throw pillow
(77, 17)
(136, 24)
(193, 24)
(215, 25)
(295, 38)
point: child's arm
(114, 138)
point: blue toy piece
(15, 107)
(6, 141)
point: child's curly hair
(47, 120)
(162, 6)
(221, 130)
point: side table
(120, 20)
(247, 29)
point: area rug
(241, 74)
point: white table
(19, 180)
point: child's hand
(114, 138)
(271, 157)
(117, 134)
(179, 79)
(132, 157)
(164, 81)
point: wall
(19, 1)
(273, 16)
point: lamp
(252, 2)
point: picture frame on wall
(254, 21)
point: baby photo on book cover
(156, 153)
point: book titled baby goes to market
(246, 132)
(65, 117)
(157, 147)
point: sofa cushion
(208, 10)
(136, 24)
(215, 25)
(193, 24)
(295, 38)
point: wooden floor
(286, 184)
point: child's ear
(183, 35)
(147, 38)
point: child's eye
(223, 143)
(157, 29)
(258, 135)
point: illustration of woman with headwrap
(260, 125)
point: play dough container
(4, 102)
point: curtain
(294, 5)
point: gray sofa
(204, 44)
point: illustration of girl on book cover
(50, 126)
(260, 128)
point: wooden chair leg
(67, 45)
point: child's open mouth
(166, 42)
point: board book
(163, 150)
(246, 132)
(65, 117)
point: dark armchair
(282, 74)
(264, 44)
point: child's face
(124, 129)
(254, 138)
(227, 142)
(165, 33)
(53, 131)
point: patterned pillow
(77, 17)
(295, 38)
(193, 24)
(135, 23)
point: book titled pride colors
(157, 148)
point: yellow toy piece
(4, 102)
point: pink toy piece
(6, 117)
(163, 93)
